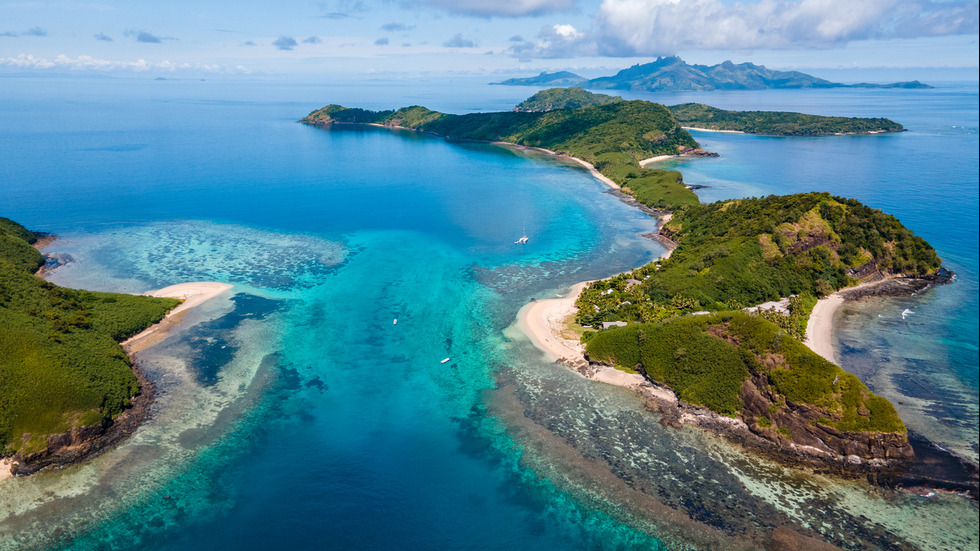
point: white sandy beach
(592, 170)
(656, 159)
(545, 322)
(193, 294)
(712, 130)
(820, 327)
(588, 166)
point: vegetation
(564, 98)
(740, 253)
(613, 137)
(735, 254)
(777, 123)
(705, 359)
(61, 366)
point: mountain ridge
(674, 74)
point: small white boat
(444, 361)
(906, 312)
(395, 322)
(523, 238)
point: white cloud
(89, 63)
(654, 27)
(561, 40)
(663, 27)
(498, 8)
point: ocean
(297, 413)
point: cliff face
(798, 428)
(796, 437)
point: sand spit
(193, 294)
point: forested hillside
(61, 366)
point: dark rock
(82, 443)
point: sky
(478, 37)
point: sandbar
(192, 294)
(587, 165)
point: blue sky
(480, 37)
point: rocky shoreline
(883, 459)
(892, 460)
(84, 443)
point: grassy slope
(740, 253)
(564, 98)
(697, 357)
(60, 362)
(777, 123)
(613, 137)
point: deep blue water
(297, 414)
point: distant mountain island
(674, 74)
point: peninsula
(673, 74)
(68, 387)
(612, 139)
(697, 116)
(692, 324)
(679, 323)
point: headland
(94, 392)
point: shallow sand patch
(193, 294)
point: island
(68, 389)
(693, 322)
(712, 332)
(777, 123)
(697, 116)
(673, 74)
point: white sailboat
(523, 238)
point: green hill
(708, 359)
(734, 254)
(686, 330)
(61, 366)
(778, 123)
(612, 137)
(772, 123)
(560, 78)
(564, 98)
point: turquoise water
(295, 413)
